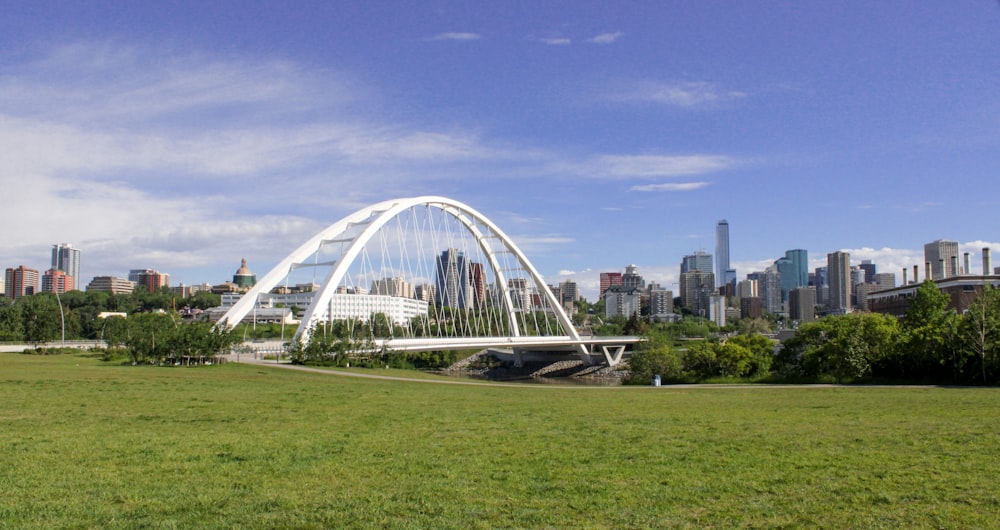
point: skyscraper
(793, 270)
(699, 261)
(632, 278)
(941, 254)
(609, 279)
(722, 251)
(870, 270)
(67, 259)
(838, 269)
(452, 285)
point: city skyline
(184, 139)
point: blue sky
(183, 136)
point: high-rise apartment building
(149, 279)
(942, 256)
(622, 301)
(569, 293)
(661, 304)
(609, 279)
(67, 259)
(696, 286)
(632, 278)
(21, 281)
(838, 269)
(477, 282)
(57, 281)
(769, 285)
(722, 251)
(452, 280)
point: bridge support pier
(613, 358)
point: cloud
(679, 186)
(161, 158)
(452, 35)
(538, 243)
(557, 41)
(650, 166)
(684, 94)
(606, 38)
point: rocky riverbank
(487, 365)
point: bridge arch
(357, 230)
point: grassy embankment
(86, 444)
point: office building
(870, 270)
(696, 286)
(111, 284)
(392, 287)
(838, 267)
(885, 280)
(699, 261)
(747, 289)
(722, 251)
(453, 288)
(21, 281)
(942, 255)
(794, 271)
(67, 259)
(802, 304)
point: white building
(623, 301)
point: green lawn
(89, 445)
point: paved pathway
(344, 373)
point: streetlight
(62, 316)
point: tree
(733, 359)
(846, 347)
(924, 326)
(761, 350)
(40, 315)
(700, 360)
(980, 328)
(11, 321)
(653, 357)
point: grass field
(85, 444)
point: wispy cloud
(678, 186)
(685, 94)
(163, 151)
(606, 38)
(650, 166)
(557, 41)
(456, 35)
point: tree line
(931, 344)
(151, 332)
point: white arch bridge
(423, 274)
